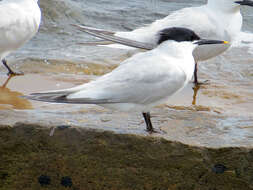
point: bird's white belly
(133, 107)
(15, 36)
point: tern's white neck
(177, 49)
(224, 5)
(182, 52)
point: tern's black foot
(151, 131)
(149, 126)
(197, 83)
(10, 71)
(17, 73)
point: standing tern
(145, 80)
(19, 22)
(218, 19)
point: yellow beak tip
(226, 42)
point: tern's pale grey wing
(107, 35)
(96, 43)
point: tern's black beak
(206, 42)
(245, 2)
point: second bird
(218, 19)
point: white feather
(19, 22)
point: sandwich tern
(218, 19)
(145, 80)
(19, 22)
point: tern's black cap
(245, 2)
(178, 34)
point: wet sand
(203, 117)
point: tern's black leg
(196, 74)
(196, 82)
(148, 122)
(10, 71)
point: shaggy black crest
(178, 34)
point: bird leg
(11, 72)
(196, 74)
(196, 82)
(149, 126)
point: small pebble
(3, 176)
(105, 120)
(66, 181)
(62, 127)
(219, 169)
(44, 180)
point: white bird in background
(145, 80)
(19, 22)
(218, 19)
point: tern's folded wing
(107, 35)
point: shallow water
(218, 114)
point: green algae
(104, 160)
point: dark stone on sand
(62, 127)
(219, 169)
(98, 160)
(3, 176)
(66, 181)
(44, 180)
